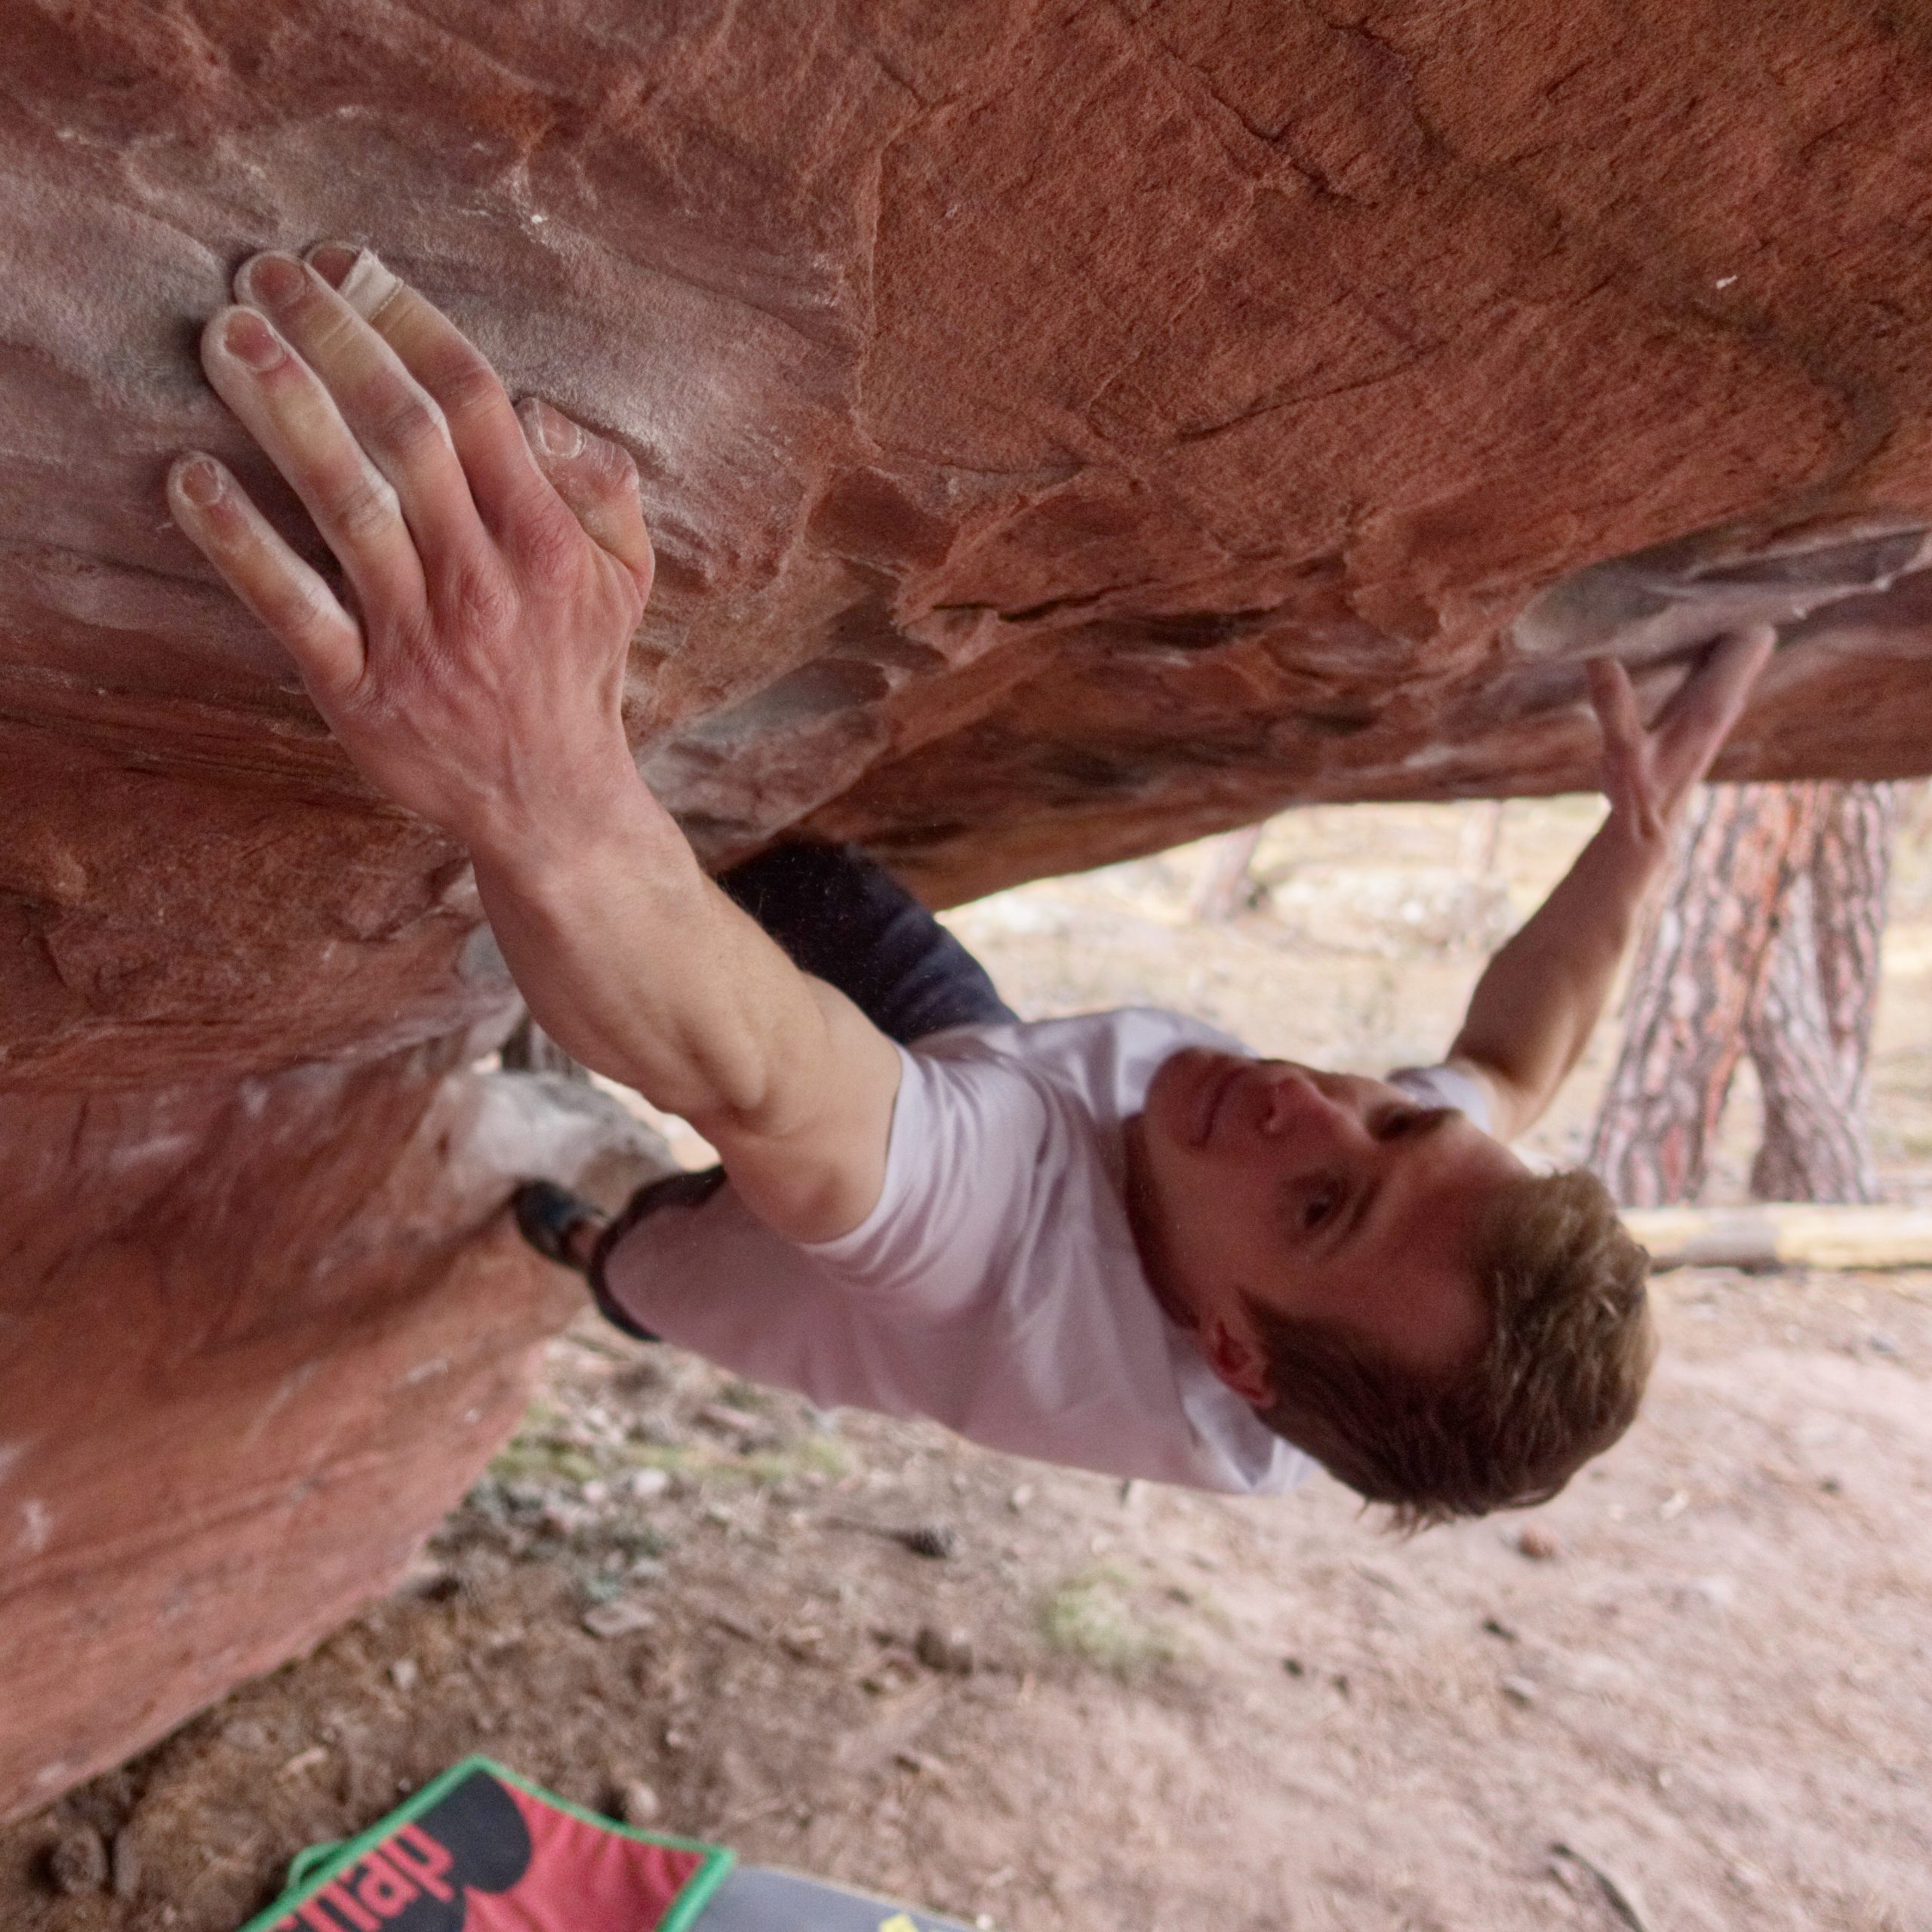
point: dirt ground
(1694, 1692)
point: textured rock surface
(255, 1338)
(1067, 429)
(1062, 425)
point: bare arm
(1540, 998)
(495, 570)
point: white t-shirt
(996, 1287)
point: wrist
(537, 843)
(1639, 843)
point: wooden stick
(1785, 1234)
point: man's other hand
(495, 561)
(1535, 1006)
(1648, 773)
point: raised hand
(1648, 773)
(496, 565)
(1535, 1006)
(496, 561)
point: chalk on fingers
(549, 431)
(196, 479)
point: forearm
(1540, 998)
(627, 961)
(642, 969)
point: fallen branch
(1785, 1234)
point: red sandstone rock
(256, 1337)
(1066, 429)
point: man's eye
(1398, 1121)
(1319, 1206)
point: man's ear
(1240, 1362)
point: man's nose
(1292, 1097)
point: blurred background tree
(1767, 943)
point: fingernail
(198, 481)
(333, 261)
(275, 281)
(558, 434)
(250, 341)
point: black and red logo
(419, 1877)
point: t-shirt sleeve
(975, 1144)
(1446, 1087)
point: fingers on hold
(288, 596)
(284, 404)
(196, 483)
(503, 477)
(616, 469)
(434, 350)
(1614, 697)
(1749, 646)
(334, 261)
(235, 339)
(1756, 645)
(444, 362)
(597, 480)
(273, 283)
(575, 459)
(1715, 691)
(390, 411)
(405, 432)
(554, 437)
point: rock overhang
(1066, 431)
(1063, 430)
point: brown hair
(1558, 1381)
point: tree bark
(1767, 943)
(1225, 887)
(1810, 1031)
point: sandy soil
(1706, 1672)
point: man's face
(1327, 1197)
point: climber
(1118, 1241)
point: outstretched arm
(1538, 1001)
(497, 565)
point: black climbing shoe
(547, 1215)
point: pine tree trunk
(1767, 941)
(1225, 886)
(1810, 1031)
(1693, 987)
